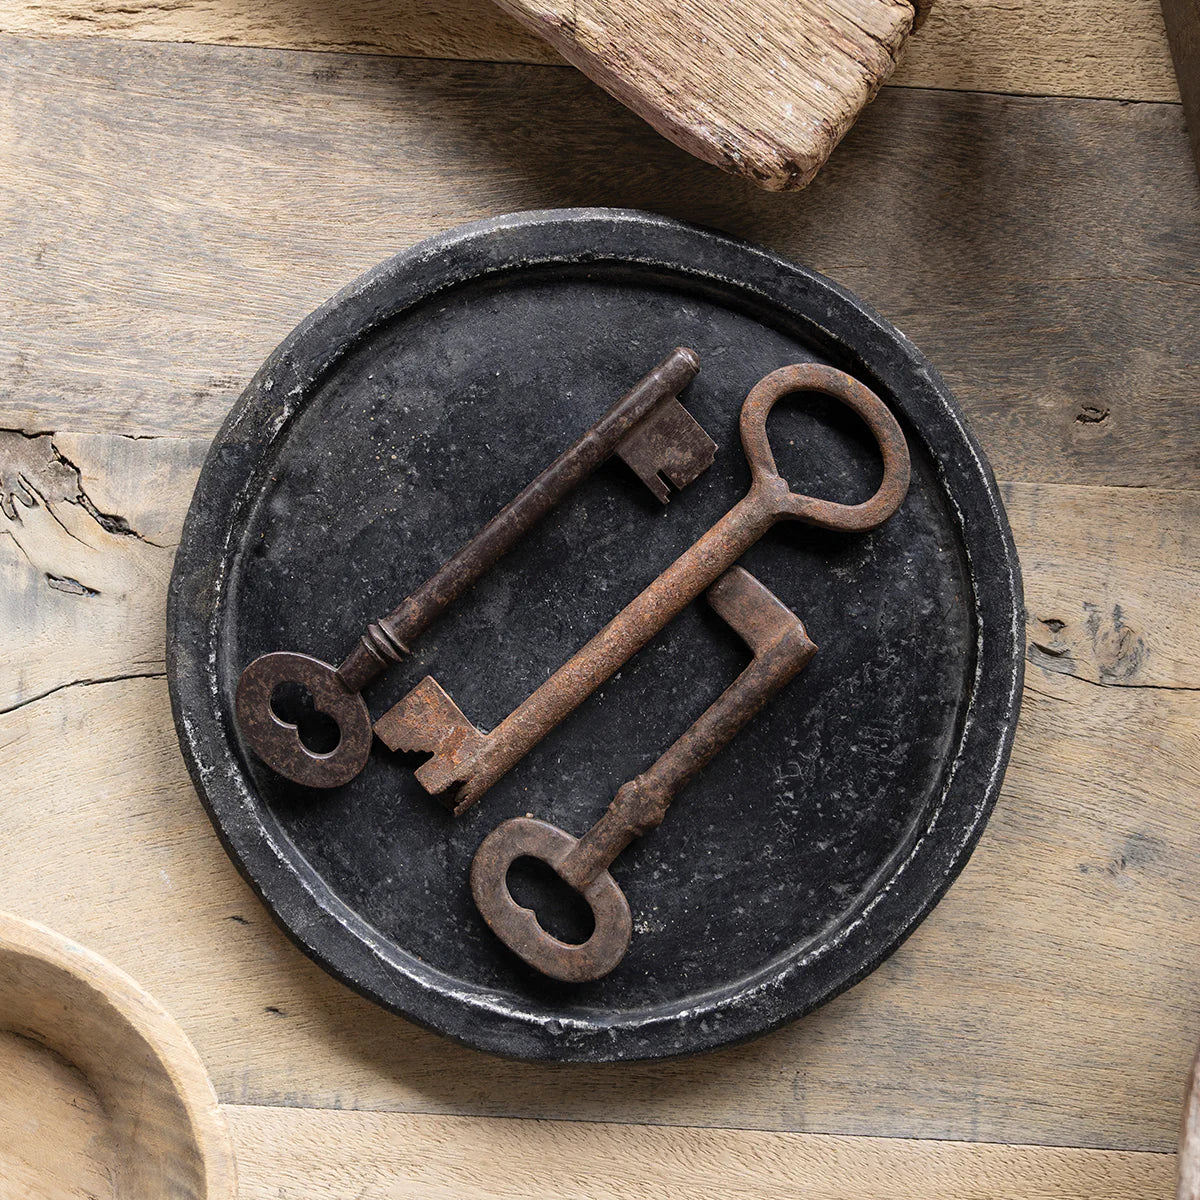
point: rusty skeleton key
(647, 427)
(781, 649)
(470, 761)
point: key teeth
(752, 610)
(654, 481)
(427, 720)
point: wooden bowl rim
(171, 1051)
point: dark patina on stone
(392, 424)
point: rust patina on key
(647, 427)
(466, 762)
(781, 649)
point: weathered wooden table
(181, 183)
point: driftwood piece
(764, 89)
(124, 1104)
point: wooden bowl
(103, 1095)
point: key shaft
(647, 427)
(589, 668)
(388, 640)
(641, 804)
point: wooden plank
(1029, 47)
(86, 556)
(297, 1154)
(1049, 998)
(1080, 48)
(450, 29)
(169, 213)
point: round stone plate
(392, 424)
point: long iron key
(781, 649)
(465, 762)
(647, 427)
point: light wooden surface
(315, 1156)
(168, 212)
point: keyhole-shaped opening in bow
(293, 704)
(561, 911)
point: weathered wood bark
(763, 88)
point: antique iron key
(781, 649)
(647, 427)
(466, 762)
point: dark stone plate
(392, 423)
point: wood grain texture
(1030, 47)
(56, 1141)
(167, 214)
(1122, 613)
(1183, 34)
(1049, 998)
(293, 1154)
(154, 1129)
(1084, 48)
(72, 545)
(764, 89)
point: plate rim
(321, 924)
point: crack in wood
(33, 468)
(74, 683)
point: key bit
(781, 649)
(427, 721)
(647, 427)
(669, 446)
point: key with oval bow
(781, 649)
